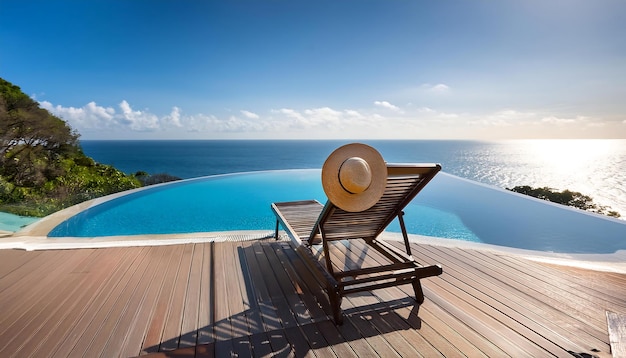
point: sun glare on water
(571, 157)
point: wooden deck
(257, 298)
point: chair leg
(335, 304)
(419, 293)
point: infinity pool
(449, 207)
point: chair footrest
(382, 275)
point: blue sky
(322, 69)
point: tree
(31, 139)
(42, 166)
(565, 197)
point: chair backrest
(404, 182)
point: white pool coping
(615, 262)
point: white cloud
(325, 122)
(388, 105)
(138, 120)
(311, 118)
(425, 110)
(289, 113)
(557, 120)
(439, 88)
(353, 113)
(199, 123)
(173, 118)
(250, 115)
(94, 117)
(89, 116)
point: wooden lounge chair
(311, 225)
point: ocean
(596, 168)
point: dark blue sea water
(593, 167)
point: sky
(341, 69)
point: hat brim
(340, 197)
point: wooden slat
(135, 312)
(534, 286)
(207, 296)
(134, 337)
(221, 325)
(38, 307)
(106, 318)
(118, 302)
(522, 307)
(154, 334)
(102, 275)
(617, 333)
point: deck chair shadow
(330, 232)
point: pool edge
(615, 262)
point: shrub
(565, 197)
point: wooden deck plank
(291, 311)
(237, 301)
(105, 301)
(154, 335)
(101, 277)
(286, 254)
(207, 296)
(58, 312)
(171, 331)
(22, 294)
(567, 332)
(276, 336)
(134, 338)
(418, 323)
(566, 303)
(568, 288)
(456, 332)
(85, 328)
(105, 320)
(525, 305)
(298, 310)
(505, 318)
(317, 304)
(441, 347)
(350, 263)
(67, 324)
(122, 323)
(601, 290)
(11, 261)
(263, 315)
(41, 307)
(294, 288)
(381, 318)
(222, 327)
(254, 323)
(25, 294)
(353, 314)
(441, 342)
(617, 333)
(191, 307)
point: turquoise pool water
(10, 222)
(449, 207)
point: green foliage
(565, 197)
(147, 179)
(42, 167)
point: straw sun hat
(354, 177)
